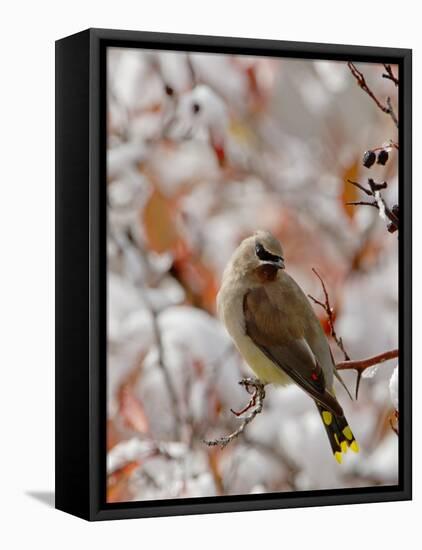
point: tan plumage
(277, 332)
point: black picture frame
(81, 273)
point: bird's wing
(280, 336)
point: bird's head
(259, 256)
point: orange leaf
(113, 434)
(159, 222)
(367, 255)
(214, 455)
(118, 488)
(349, 192)
(131, 410)
(198, 281)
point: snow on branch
(386, 213)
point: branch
(329, 311)
(256, 403)
(362, 203)
(363, 364)
(360, 79)
(392, 113)
(373, 190)
(164, 369)
(390, 75)
(389, 144)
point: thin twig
(362, 203)
(390, 144)
(360, 79)
(330, 317)
(256, 403)
(391, 112)
(358, 366)
(164, 370)
(390, 75)
(361, 187)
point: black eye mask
(266, 256)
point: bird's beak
(279, 263)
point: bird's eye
(259, 249)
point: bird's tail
(339, 433)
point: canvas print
(252, 275)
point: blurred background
(202, 151)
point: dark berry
(368, 159)
(169, 90)
(382, 157)
(196, 108)
(392, 227)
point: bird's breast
(230, 308)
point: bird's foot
(255, 388)
(255, 405)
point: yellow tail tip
(348, 433)
(354, 446)
(338, 456)
(344, 446)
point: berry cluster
(370, 157)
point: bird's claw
(252, 386)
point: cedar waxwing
(277, 332)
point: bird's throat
(266, 273)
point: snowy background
(202, 151)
